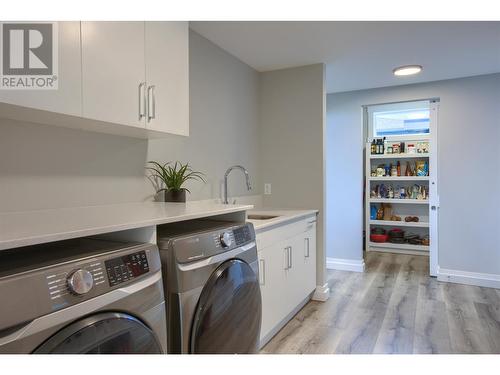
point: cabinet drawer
(280, 233)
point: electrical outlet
(267, 189)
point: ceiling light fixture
(407, 70)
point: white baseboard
(469, 278)
(356, 265)
(321, 293)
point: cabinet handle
(306, 240)
(287, 258)
(151, 103)
(142, 100)
(262, 273)
(290, 265)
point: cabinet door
(112, 71)
(302, 274)
(309, 259)
(67, 98)
(272, 279)
(296, 271)
(167, 76)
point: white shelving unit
(398, 201)
(400, 156)
(399, 178)
(400, 207)
(419, 224)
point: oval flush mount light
(407, 70)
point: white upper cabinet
(125, 78)
(67, 98)
(113, 72)
(167, 76)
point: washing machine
(82, 296)
(211, 282)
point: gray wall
(50, 167)
(468, 162)
(292, 125)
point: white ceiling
(361, 55)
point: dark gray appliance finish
(82, 296)
(211, 284)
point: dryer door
(228, 315)
(106, 333)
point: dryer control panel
(126, 267)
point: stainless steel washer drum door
(228, 315)
(104, 333)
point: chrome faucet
(247, 178)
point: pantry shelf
(402, 201)
(399, 178)
(398, 156)
(393, 223)
(402, 246)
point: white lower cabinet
(287, 271)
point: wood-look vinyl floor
(394, 307)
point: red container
(379, 237)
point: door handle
(306, 240)
(290, 258)
(262, 273)
(287, 260)
(142, 100)
(151, 103)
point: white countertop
(33, 227)
(282, 217)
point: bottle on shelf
(379, 147)
(373, 147)
(398, 169)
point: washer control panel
(242, 235)
(126, 267)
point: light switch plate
(267, 189)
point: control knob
(225, 239)
(80, 282)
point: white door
(113, 72)
(167, 76)
(67, 98)
(433, 189)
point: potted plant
(173, 176)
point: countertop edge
(92, 231)
(286, 217)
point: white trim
(321, 293)
(469, 278)
(356, 265)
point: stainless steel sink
(261, 217)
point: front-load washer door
(103, 333)
(228, 315)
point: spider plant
(173, 176)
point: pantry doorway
(401, 178)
